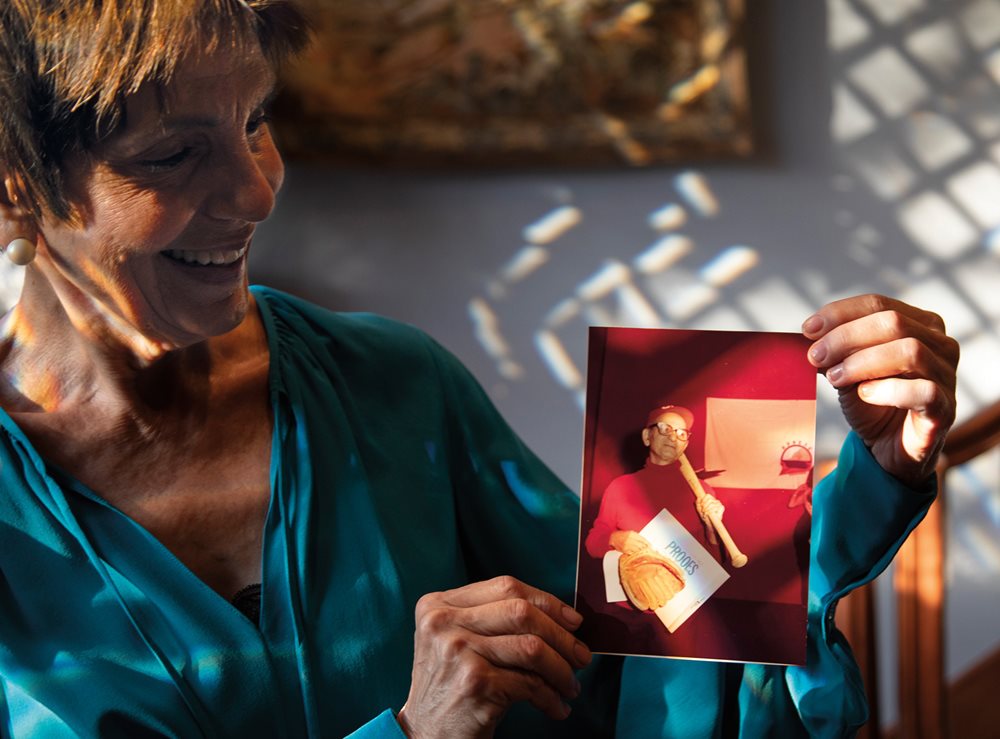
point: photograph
(697, 494)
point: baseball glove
(649, 579)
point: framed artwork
(519, 83)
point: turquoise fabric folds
(392, 475)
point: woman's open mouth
(206, 257)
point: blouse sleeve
(517, 517)
(862, 517)
(514, 515)
(383, 726)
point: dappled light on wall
(661, 284)
(916, 125)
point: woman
(178, 451)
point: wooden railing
(919, 587)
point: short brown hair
(67, 66)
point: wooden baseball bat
(737, 557)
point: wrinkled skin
(482, 647)
(142, 375)
(665, 449)
(895, 370)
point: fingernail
(581, 653)
(813, 324)
(566, 709)
(818, 352)
(571, 617)
(865, 391)
(576, 687)
(835, 373)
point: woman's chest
(205, 501)
(202, 490)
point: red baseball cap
(680, 410)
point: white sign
(759, 444)
(703, 575)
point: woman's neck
(61, 351)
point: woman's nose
(246, 183)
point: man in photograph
(632, 500)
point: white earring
(20, 251)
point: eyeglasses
(667, 430)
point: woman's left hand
(480, 648)
(894, 367)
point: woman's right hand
(482, 647)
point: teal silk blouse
(392, 475)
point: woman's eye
(166, 163)
(257, 122)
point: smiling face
(166, 206)
(665, 448)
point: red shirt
(631, 501)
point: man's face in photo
(663, 438)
